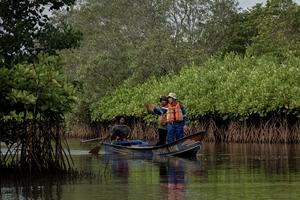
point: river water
(221, 171)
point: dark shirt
(120, 132)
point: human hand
(186, 129)
(149, 107)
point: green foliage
(232, 87)
(34, 92)
(243, 29)
(159, 38)
(38, 90)
(150, 39)
(272, 29)
(24, 25)
(5, 86)
(220, 26)
(278, 30)
(58, 37)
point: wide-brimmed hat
(172, 95)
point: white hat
(172, 95)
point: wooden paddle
(96, 149)
(91, 140)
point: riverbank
(267, 130)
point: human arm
(150, 107)
(186, 120)
(159, 110)
(185, 117)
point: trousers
(162, 136)
(175, 132)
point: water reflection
(120, 168)
(139, 176)
(172, 179)
(48, 187)
(233, 171)
(272, 158)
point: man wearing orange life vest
(177, 120)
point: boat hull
(185, 147)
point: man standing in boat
(162, 126)
(162, 120)
(177, 120)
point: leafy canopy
(25, 30)
(232, 87)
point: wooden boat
(186, 147)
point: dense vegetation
(155, 38)
(230, 87)
(223, 62)
(129, 58)
(35, 94)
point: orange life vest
(174, 113)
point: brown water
(221, 171)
